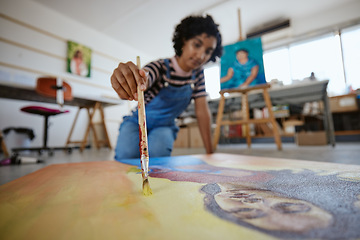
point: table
(20, 92)
(88, 102)
(218, 196)
(296, 94)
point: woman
(169, 86)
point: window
(277, 65)
(321, 56)
(351, 51)
(212, 81)
(331, 56)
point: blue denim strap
(167, 64)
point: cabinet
(346, 114)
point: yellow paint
(146, 188)
(176, 211)
(100, 200)
(134, 169)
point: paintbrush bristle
(146, 188)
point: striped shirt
(158, 79)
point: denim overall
(161, 112)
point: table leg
(328, 121)
(107, 139)
(68, 141)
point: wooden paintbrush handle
(142, 121)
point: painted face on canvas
(197, 51)
(270, 211)
(242, 56)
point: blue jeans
(160, 141)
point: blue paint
(173, 163)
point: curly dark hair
(193, 26)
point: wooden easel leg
(68, 141)
(91, 112)
(219, 121)
(96, 139)
(107, 139)
(83, 143)
(245, 109)
(272, 119)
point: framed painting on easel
(242, 64)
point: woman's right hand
(125, 80)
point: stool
(48, 87)
(246, 118)
(46, 113)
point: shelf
(351, 132)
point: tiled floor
(346, 153)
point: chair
(246, 116)
(54, 88)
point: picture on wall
(78, 59)
(242, 64)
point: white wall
(33, 43)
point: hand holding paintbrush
(143, 144)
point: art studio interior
(290, 111)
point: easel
(245, 109)
(241, 38)
(91, 126)
(246, 115)
(263, 127)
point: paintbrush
(143, 142)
